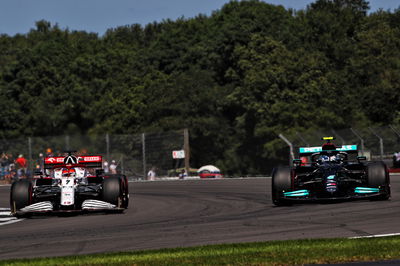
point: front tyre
(378, 176)
(281, 181)
(21, 195)
(115, 191)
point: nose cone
(330, 184)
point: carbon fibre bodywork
(330, 175)
(332, 180)
(69, 187)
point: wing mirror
(297, 162)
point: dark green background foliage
(236, 78)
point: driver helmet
(332, 158)
(68, 172)
(324, 158)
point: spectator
(113, 167)
(40, 163)
(151, 175)
(13, 176)
(396, 160)
(49, 152)
(182, 174)
(21, 165)
(10, 161)
(3, 165)
(105, 167)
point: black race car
(328, 173)
(70, 184)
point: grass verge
(264, 253)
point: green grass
(265, 253)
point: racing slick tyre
(281, 180)
(21, 195)
(115, 191)
(378, 176)
(125, 191)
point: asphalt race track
(189, 213)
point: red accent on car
(210, 175)
(328, 147)
(81, 159)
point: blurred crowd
(12, 168)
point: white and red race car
(70, 184)
(209, 171)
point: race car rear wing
(306, 151)
(83, 161)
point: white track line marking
(165, 179)
(12, 222)
(8, 219)
(372, 236)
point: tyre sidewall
(281, 180)
(111, 191)
(21, 195)
(378, 176)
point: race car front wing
(307, 195)
(47, 207)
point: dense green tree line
(236, 78)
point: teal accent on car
(310, 149)
(331, 177)
(347, 148)
(297, 193)
(318, 149)
(366, 190)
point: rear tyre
(378, 176)
(21, 195)
(281, 180)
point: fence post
(186, 148)
(380, 142)
(291, 155)
(395, 131)
(122, 165)
(144, 155)
(360, 138)
(108, 147)
(30, 156)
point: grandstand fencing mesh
(377, 143)
(133, 154)
(136, 154)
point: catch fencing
(376, 143)
(133, 154)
